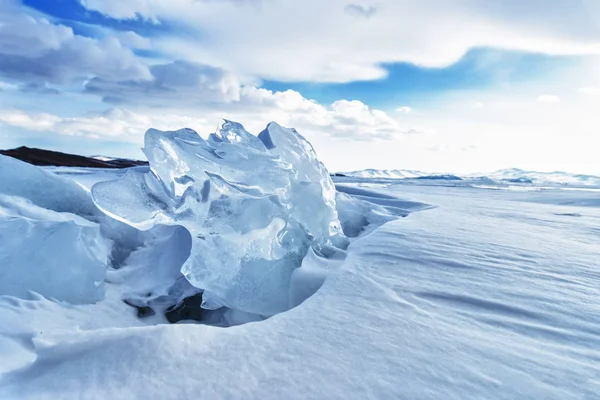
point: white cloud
(359, 10)
(30, 121)
(320, 43)
(132, 40)
(594, 91)
(404, 110)
(477, 105)
(119, 124)
(343, 119)
(34, 49)
(548, 98)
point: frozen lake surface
(477, 293)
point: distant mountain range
(516, 175)
(504, 176)
(385, 173)
(54, 158)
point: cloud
(419, 130)
(226, 48)
(321, 44)
(111, 124)
(343, 119)
(593, 91)
(192, 88)
(548, 98)
(35, 50)
(38, 88)
(133, 40)
(30, 121)
(357, 10)
(7, 86)
(179, 83)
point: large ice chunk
(254, 206)
(59, 255)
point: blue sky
(458, 86)
(72, 13)
(407, 83)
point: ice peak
(234, 132)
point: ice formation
(45, 246)
(44, 189)
(254, 205)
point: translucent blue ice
(254, 205)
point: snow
(487, 295)
(254, 206)
(103, 158)
(446, 290)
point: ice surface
(48, 242)
(61, 256)
(254, 206)
(44, 189)
(88, 177)
(151, 275)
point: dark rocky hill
(54, 158)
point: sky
(458, 86)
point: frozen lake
(488, 293)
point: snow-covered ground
(446, 291)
